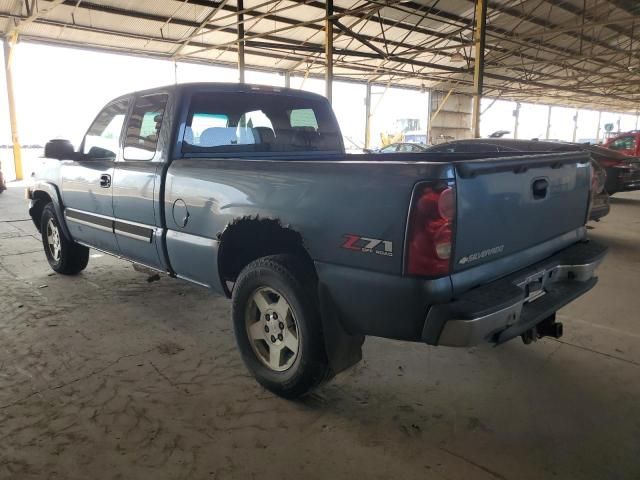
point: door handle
(105, 180)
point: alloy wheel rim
(53, 240)
(272, 329)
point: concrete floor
(107, 376)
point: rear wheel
(64, 256)
(277, 325)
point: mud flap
(343, 349)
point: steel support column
(367, 119)
(516, 116)
(575, 126)
(9, 45)
(599, 123)
(478, 69)
(546, 136)
(241, 40)
(287, 79)
(328, 50)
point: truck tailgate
(508, 205)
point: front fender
(53, 193)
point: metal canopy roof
(582, 53)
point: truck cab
(625, 143)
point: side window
(303, 117)
(103, 138)
(405, 148)
(624, 143)
(143, 128)
(441, 148)
(389, 149)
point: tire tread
(74, 257)
(314, 369)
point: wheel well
(41, 199)
(248, 239)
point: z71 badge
(368, 245)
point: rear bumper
(504, 309)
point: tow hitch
(547, 328)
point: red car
(623, 170)
(625, 143)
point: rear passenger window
(303, 117)
(143, 128)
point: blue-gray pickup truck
(247, 190)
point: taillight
(430, 234)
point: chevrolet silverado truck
(247, 191)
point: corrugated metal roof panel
(546, 50)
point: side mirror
(59, 149)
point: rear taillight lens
(430, 233)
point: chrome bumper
(504, 309)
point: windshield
(260, 123)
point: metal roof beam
(215, 9)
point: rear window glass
(259, 123)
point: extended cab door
(136, 183)
(87, 180)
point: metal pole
(516, 115)
(240, 8)
(429, 112)
(599, 123)
(637, 118)
(9, 45)
(287, 79)
(575, 126)
(367, 119)
(328, 50)
(478, 70)
(546, 136)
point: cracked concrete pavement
(106, 376)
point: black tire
(291, 277)
(72, 257)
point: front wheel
(278, 327)
(64, 256)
